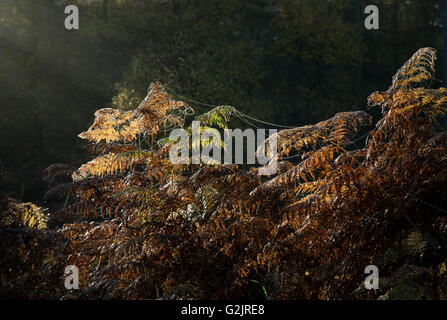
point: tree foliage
(290, 62)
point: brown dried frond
(55, 170)
(61, 189)
(103, 148)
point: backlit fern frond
(111, 163)
(106, 164)
(416, 72)
(335, 131)
(318, 170)
(155, 108)
(112, 125)
(23, 215)
(218, 116)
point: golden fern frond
(325, 139)
(432, 102)
(97, 167)
(304, 172)
(23, 215)
(110, 163)
(153, 110)
(112, 125)
(419, 69)
(335, 130)
(415, 73)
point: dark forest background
(291, 62)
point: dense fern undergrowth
(140, 227)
